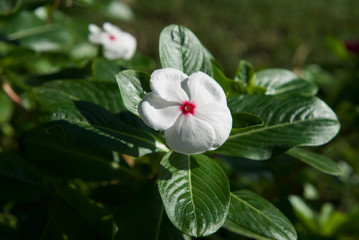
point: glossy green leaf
(133, 87)
(105, 70)
(106, 130)
(288, 121)
(105, 94)
(281, 81)
(195, 193)
(245, 73)
(230, 87)
(179, 48)
(253, 216)
(52, 149)
(144, 210)
(317, 161)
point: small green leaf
(230, 87)
(253, 216)
(319, 162)
(179, 48)
(288, 121)
(281, 81)
(245, 74)
(195, 193)
(304, 213)
(133, 87)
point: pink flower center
(187, 108)
(112, 37)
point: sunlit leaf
(179, 48)
(195, 193)
(288, 121)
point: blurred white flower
(191, 110)
(116, 43)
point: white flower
(116, 43)
(191, 110)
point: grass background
(268, 33)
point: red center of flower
(187, 108)
(111, 37)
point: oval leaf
(319, 162)
(133, 87)
(253, 216)
(195, 193)
(281, 81)
(288, 121)
(179, 48)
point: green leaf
(51, 149)
(195, 193)
(105, 94)
(288, 121)
(317, 161)
(304, 213)
(179, 48)
(104, 130)
(245, 73)
(281, 81)
(253, 216)
(105, 70)
(144, 210)
(133, 87)
(230, 87)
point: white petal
(158, 113)
(190, 135)
(220, 118)
(94, 28)
(166, 82)
(203, 90)
(111, 29)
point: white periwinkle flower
(191, 110)
(116, 43)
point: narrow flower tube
(191, 110)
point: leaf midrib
(189, 172)
(278, 126)
(257, 210)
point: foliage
(77, 162)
